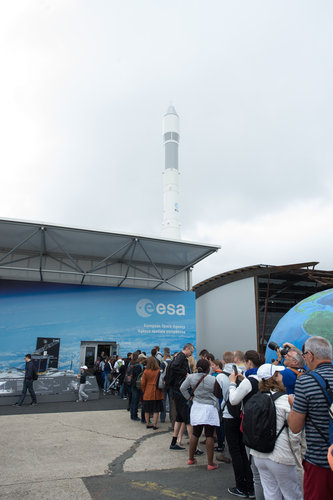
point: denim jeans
(106, 383)
(27, 385)
(123, 391)
(134, 402)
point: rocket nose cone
(171, 111)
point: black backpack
(169, 375)
(129, 375)
(236, 410)
(259, 422)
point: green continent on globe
(313, 298)
(320, 323)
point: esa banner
(134, 318)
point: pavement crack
(93, 431)
(117, 465)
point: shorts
(182, 408)
(209, 430)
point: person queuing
(240, 462)
(180, 369)
(135, 392)
(242, 393)
(167, 405)
(310, 409)
(152, 395)
(107, 375)
(277, 469)
(217, 368)
(204, 411)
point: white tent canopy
(44, 252)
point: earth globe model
(309, 318)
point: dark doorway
(103, 348)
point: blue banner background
(135, 318)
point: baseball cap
(84, 367)
(267, 371)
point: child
(83, 378)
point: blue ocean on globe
(312, 316)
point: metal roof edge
(238, 274)
(107, 232)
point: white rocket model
(171, 224)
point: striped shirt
(310, 400)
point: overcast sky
(84, 86)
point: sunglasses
(304, 353)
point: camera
(275, 347)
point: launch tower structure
(171, 223)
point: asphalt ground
(94, 451)
(107, 402)
(191, 483)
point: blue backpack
(328, 395)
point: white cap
(84, 367)
(267, 371)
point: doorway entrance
(90, 350)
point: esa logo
(146, 307)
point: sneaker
(251, 494)
(218, 448)
(33, 404)
(238, 493)
(15, 404)
(198, 452)
(176, 447)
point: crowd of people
(272, 417)
(275, 419)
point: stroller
(114, 386)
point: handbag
(195, 387)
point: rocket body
(171, 223)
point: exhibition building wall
(226, 318)
(70, 316)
